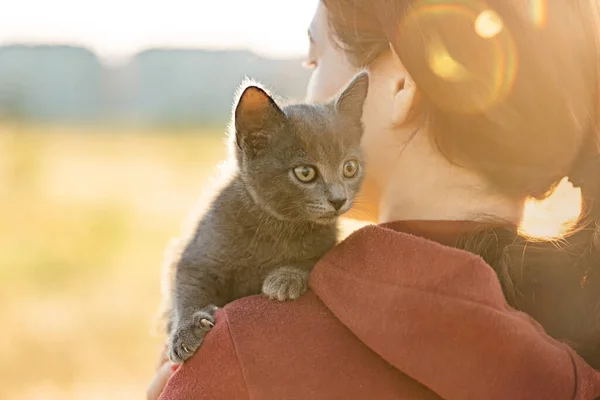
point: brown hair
(517, 102)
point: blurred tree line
(155, 87)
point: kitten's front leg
(286, 283)
(188, 334)
(199, 288)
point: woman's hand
(163, 373)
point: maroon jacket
(388, 315)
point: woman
(472, 108)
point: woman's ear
(404, 93)
(403, 99)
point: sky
(117, 29)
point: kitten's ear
(352, 99)
(256, 113)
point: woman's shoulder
(256, 322)
(257, 313)
(255, 341)
(379, 256)
(218, 369)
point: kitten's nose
(338, 203)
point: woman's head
(496, 96)
(502, 88)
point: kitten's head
(301, 162)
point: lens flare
(537, 12)
(488, 24)
(443, 65)
(491, 76)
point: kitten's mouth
(326, 218)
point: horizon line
(124, 57)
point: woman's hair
(508, 89)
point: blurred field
(84, 220)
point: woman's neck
(457, 205)
(425, 186)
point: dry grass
(84, 220)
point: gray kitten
(299, 168)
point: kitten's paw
(188, 336)
(286, 283)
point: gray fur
(266, 229)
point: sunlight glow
(488, 24)
(554, 216)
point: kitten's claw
(188, 335)
(206, 323)
(286, 283)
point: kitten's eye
(350, 169)
(305, 173)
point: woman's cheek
(329, 77)
(322, 87)
(314, 89)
